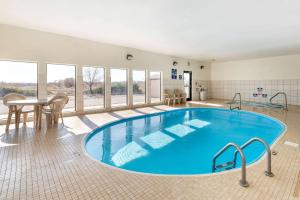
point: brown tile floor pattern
(51, 165)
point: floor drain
(76, 154)
(73, 157)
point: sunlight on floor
(3, 144)
(76, 125)
(127, 113)
(205, 103)
(101, 118)
(148, 110)
(164, 107)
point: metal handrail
(233, 100)
(285, 98)
(243, 181)
(268, 172)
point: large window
(118, 87)
(61, 79)
(17, 77)
(93, 87)
(139, 86)
(155, 85)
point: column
(79, 89)
(107, 89)
(42, 80)
(130, 88)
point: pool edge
(258, 161)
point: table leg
(35, 117)
(17, 118)
(40, 115)
(10, 109)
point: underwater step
(225, 166)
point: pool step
(225, 166)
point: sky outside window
(18, 72)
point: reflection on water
(128, 153)
(197, 123)
(130, 140)
(157, 140)
(180, 130)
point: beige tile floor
(51, 165)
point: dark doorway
(187, 83)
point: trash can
(203, 95)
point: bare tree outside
(91, 76)
(93, 87)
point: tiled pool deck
(51, 165)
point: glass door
(187, 83)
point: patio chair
(168, 96)
(180, 95)
(17, 110)
(53, 110)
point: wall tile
(226, 89)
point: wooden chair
(180, 95)
(54, 108)
(17, 110)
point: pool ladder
(239, 149)
(239, 107)
(285, 106)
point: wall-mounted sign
(174, 74)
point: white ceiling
(199, 29)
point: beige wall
(273, 74)
(25, 44)
(279, 73)
(29, 45)
(280, 67)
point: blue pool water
(181, 141)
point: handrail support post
(243, 181)
(268, 172)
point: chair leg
(25, 116)
(39, 109)
(62, 119)
(48, 120)
(56, 119)
(51, 118)
(8, 118)
(17, 119)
